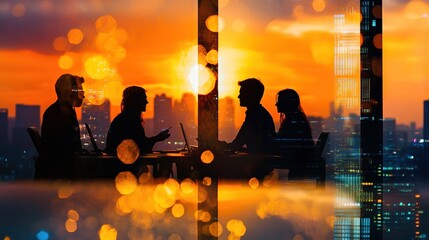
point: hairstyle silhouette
(132, 98)
(253, 87)
(288, 101)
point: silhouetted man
(60, 130)
(257, 130)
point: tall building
(26, 116)
(371, 119)
(4, 130)
(163, 118)
(345, 136)
(424, 163)
(399, 187)
(346, 59)
(98, 119)
(426, 120)
(185, 112)
(227, 131)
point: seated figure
(294, 138)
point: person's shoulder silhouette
(258, 128)
(128, 124)
(60, 135)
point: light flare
(75, 36)
(128, 151)
(178, 210)
(215, 229)
(318, 5)
(207, 157)
(107, 232)
(237, 227)
(65, 62)
(125, 183)
(70, 225)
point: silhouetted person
(60, 130)
(258, 129)
(294, 138)
(129, 123)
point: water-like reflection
(155, 209)
(168, 209)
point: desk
(108, 166)
(225, 166)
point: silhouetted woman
(294, 138)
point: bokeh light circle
(75, 36)
(128, 151)
(106, 24)
(318, 5)
(237, 227)
(207, 157)
(65, 62)
(107, 232)
(215, 229)
(253, 183)
(97, 67)
(126, 183)
(178, 210)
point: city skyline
(300, 56)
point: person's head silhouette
(69, 90)
(134, 99)
(288, 101)
(251, 92)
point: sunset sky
(284, 43)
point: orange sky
(286, 44)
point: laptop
(91, 137)
(186, 147)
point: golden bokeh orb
(215, 229)
(178, 210)
(107, 232)
(65, 62)
(106, 24)
(319, 5)
(73, 215)
(207, 157)
(70, 225)
(125, 183)
(128, 151)
(75, 36)
(97, 67)
(237, 227)
(253, 183)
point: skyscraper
(4, 130)
(98, 119)
(371, 119)
(227, 130)
(26, 116)
(346, 59)
(163, 117)
(185, 112)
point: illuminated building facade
(344, 129)
(371, 120)
(163, 117)
(346, 60)
(98, 119)
(184, 112)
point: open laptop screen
(184, 137)
(94, 144)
